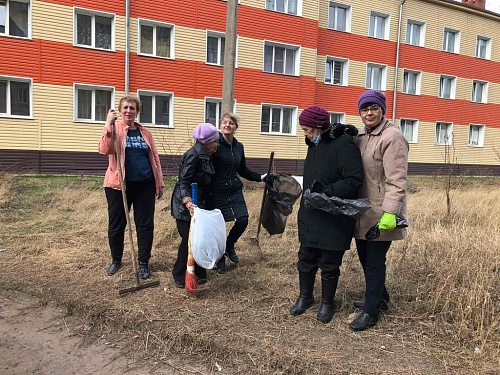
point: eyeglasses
(373, 108)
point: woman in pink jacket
(143, 180)
(384, 152)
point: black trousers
(140, 195)
(237, 230)
(372, 256)
(179, 270)
(311, 258)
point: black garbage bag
(374, 232)
(282, 193)
(335, 205)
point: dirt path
(38, 339)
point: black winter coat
(336, 163)
(196, 166)
(227, 194)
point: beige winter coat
(384, 152)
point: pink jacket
(107, 147)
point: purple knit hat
(372, 97)
(205, 133)
(314, 117)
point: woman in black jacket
(333, 165)
(196, 166)
(227, 189)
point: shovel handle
(271, 159)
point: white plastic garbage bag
(208, 237)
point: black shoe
(221, 266)
(143, 271)
(302, 304)
(202, 282)
(113, 268)
(325, 313)
(363, 321)
(179, 284)
(360, 304)
(231, 254)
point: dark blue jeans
(372, 256)
(140, 195)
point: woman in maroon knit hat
(333, 167)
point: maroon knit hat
(314, 117)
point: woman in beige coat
(384, 152)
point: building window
(476, 135)
(93, 29)
(483, 47)
(284, 6)
(451, 41)
(444, 133)
(156, 108)
(447, 87)
(339, 17)
(409, 128)
(15, 96)
(92, 103)
(479, 92)
(15, 18)
(411, 82)
(279, 58)
(379, 26)
(336, 71)
(337, 118)
(213, 108)
(277, 119)
(155, 39)
(215, 48)
(415, 33)
(376, 76)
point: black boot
(231, 253)
(306, 298)
(327, 307)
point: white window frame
(7, 17)
(294, 48)
(480, 135)
(414, 130)
(451, 47)
(8, 112)
(453, 86)
(220, 50)
(293, 130)
(155, 25)
(83, 86)
(370, 77)
(93, 14)
(372, 28)
(344, 75)
(271, 5)
(410, 24)
(448, 129)
(487, 47)
(153, 112)
(418, 81)
(218, 101)
(484, 91)
(339, 114)
(332, 16)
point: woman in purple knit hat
(196, 166)
(333, 167)
(384, 151)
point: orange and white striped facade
(63, 55)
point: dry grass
(445, 284)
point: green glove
(387, 222)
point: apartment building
(64, 63)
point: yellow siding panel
(190, 44)
(250, 53)
(310, 9)
(52, 22)
(307, 62)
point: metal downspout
(398, 46)
(127, 46)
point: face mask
(316, 139)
